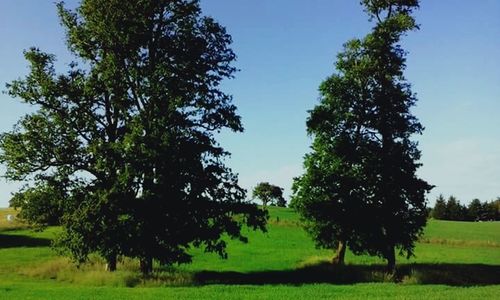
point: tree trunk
(391, 260)
(146, 265)
(111, 263)
(338, 259)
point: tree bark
(111, 263)
(339, 258)
(146, 265)
(391, 260)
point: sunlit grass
(271, 265)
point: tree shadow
(452, 274)
(448, 274)
(13, 241)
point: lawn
(453, 259)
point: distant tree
(475, 210)
(455, 210)
(496, 204)
(483, 211)
(439, 211)
(362, 158)
(269, 194)
(489, 212)
(281, 202)
(429, 212)
(131, 134)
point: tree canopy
(128, 134)
(269, 194)
(360, 185)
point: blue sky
(286, 48)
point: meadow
(453, 260)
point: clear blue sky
(286, 48)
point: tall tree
(399, 192)
(330, 195)
(363, 159)
(132, 133)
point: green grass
(313, 291)
(453, 259)
(481, 233)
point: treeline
(452, 209)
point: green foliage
(475, 211)
(41, 205)
(455, 210)
(360, 184)
(439, 210)
(269, 194)
(489, 212)
(130, 135)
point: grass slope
(454, 259)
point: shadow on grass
(13, 241)
(449, 274)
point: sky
(286, 48)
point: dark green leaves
(360, 185)
(269, 194)
(131, 134)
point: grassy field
(453, 259)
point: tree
(281, 202)
(496, 205)
(70, 142)
(131, 135)
(474, 210)
(269, 194)
(455, 210)
(489, 211)
(360, 186)
(439, 212)
(330, 195)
